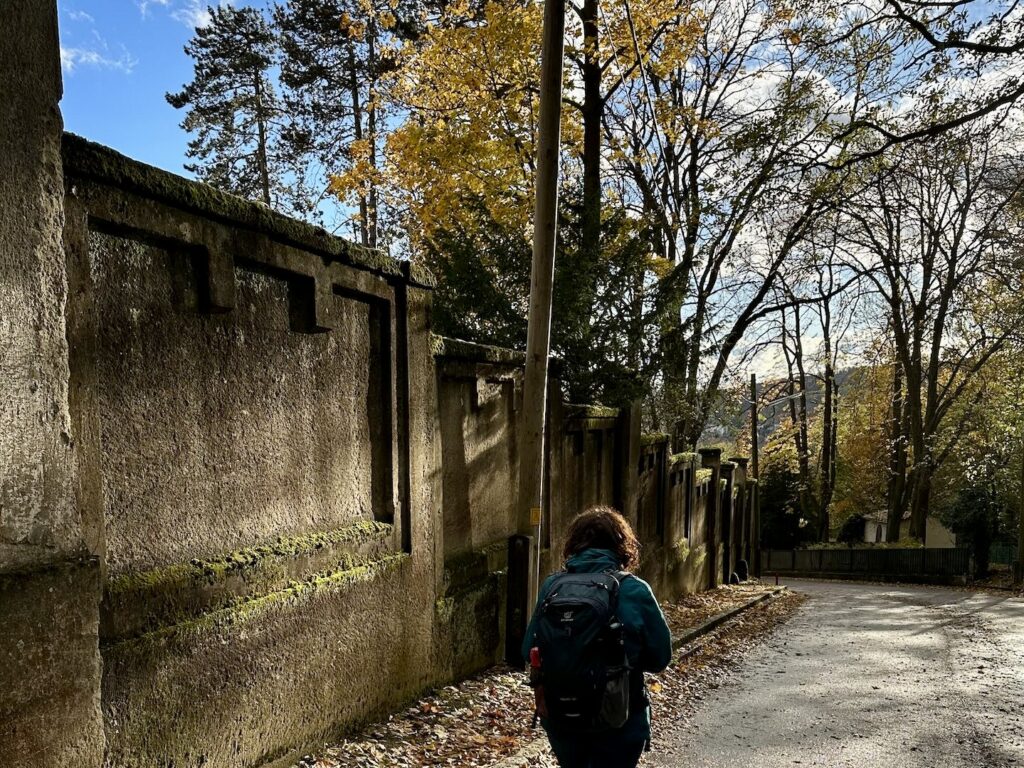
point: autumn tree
(862, 440)
(932, 240)
(819, 298)
(726, 128)
(460, 165)
(736, 153)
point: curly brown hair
(603, 527)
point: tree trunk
(919, 503)
(807, 501)
(371, 111)
(593, 108)
(897, 457)
(827, 465)
(261, 149)
(797, 392)
(357, 124)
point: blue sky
(119, 58)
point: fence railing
(1002, 554)
(908, 564)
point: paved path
(873, 677)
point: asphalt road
(870, 676)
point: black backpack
(579, 668)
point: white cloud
(192, 13)
(144, 5)
(73, 58)
(196, 13)
(79, 16)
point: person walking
(596, 629)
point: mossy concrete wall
(478, 408)
(596, 455)
(263, 680)
(49, 582)
(223, 431)
(257, 412)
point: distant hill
(732, 416)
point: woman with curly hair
(596, 621)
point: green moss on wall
(457, 349)
(578, 411)
(681, 551)
(654, 438)
(245, 610)
(247, 560)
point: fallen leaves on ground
(471, 724)
(693, 610)
(487, 717)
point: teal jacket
(648, 639)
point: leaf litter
(487, 717)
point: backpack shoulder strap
(620, 576)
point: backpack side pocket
(614, 710)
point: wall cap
(85, 160)
(459, 349)
(583, 411)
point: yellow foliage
(467, 92)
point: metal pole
(755, 500)
(538, 340)
(753, 426)
(1018, 570)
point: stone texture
(50, 667)
(49, 587)
(37, 516)
(480, 457)
(265, 679)
(222, 431)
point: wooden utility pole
(538, 340)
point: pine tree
(323, 94)
(233, 110)
(330, 65)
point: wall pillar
(711, 458)
(728, 518)
(49, 577)
(628, 430)
(742, 511)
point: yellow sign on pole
(535, 516)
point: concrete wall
(247, 500)
(257, 409)
(479, 394)
(49, 581)
(596, 455)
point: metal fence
(1002, 554)
(906, 564)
